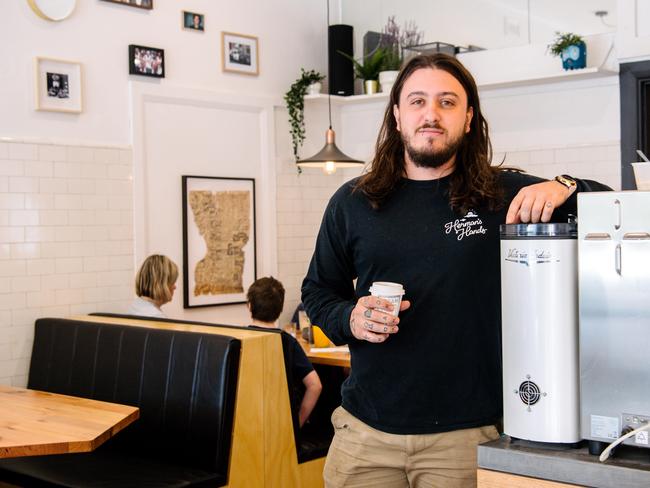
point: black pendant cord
(329, 90)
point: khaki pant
(361, 456)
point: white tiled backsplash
(66, 239)
(594, 162)
(301, 201)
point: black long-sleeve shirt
(442, 370)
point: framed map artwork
(219, 250)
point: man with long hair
(425, 387)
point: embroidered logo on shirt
(469, 225)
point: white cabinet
(633, 33)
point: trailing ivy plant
(295, 100)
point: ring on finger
(367, 313)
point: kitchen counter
(629, 467)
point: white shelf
(351, 100)
(531, 64)
(576, 74)
(526, 65)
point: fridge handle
(617, 258)
(636, 236)
(617, 225)
(597, 236)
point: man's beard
(430, 157)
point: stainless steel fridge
(614, 325)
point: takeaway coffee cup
(392, 292)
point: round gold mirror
(54, 10)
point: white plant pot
(386, 80)
(314, 88)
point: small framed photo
(239, 53)
(146, 61)
(58, 85)
(145, 4)
(218, 240)
(193, 21)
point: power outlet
(631, 422)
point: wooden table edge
(75, 446)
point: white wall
(196, 132)
(290, 32)
(69, 183)
(491, 24)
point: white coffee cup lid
(386, 288)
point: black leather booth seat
(314, 439)
(183, 382)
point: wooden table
(33, 423)
(322, 357)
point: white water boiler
(539, 304)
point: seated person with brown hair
(265, 299)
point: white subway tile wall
(66, 240)
(301, 201)
(600, 162)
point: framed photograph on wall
(193, 21)
(239, 53)
(58, 85)
(146, 61)
(145, 4)
(219, 252)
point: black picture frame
(189, 23)
(146, 61)
(219, 271)
(143, 4)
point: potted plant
(368, 71)
(393, 40)
(571, 48)
(295, 100)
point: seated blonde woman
(154, 284)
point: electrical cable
(329, 92)
(608, 450)
(601, 14)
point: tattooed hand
(367, 323)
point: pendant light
(330, 157)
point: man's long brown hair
(473, 182)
